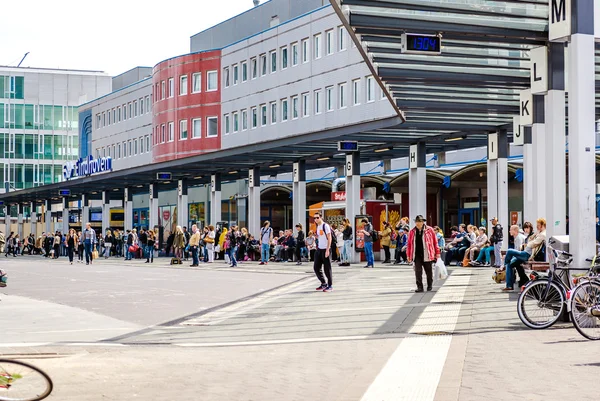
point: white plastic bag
(441, 272)
(227, 260)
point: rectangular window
(103, 118)
(98, 120)
(284, 57)
(263, 115)
(196, 82)
(342, 38)
(305, 51)
(329, 98)
(130, 110)
(148, 104)
(305, 105)
(183, 85)
(342, 93)
(370, 89)
(130, 148)
(147, 143)
(254, 68)
(118, 151)
(235, 74)
(135, 147)
(273, 61)
(317, 46)
(124, 112)
(244, 71)
(263, 65)
(119, 114)
(183, 133)
(226, 77)
(212, 127)
(171, 87)
(212, 82)
(294, 54)
(163, 90)
(226, 123)
(318, 102)
(141, 106)
(295, 113)
(196, 128)
(284, 110)
(171, 131)
(254, 118)
(135, 108)
(125, 149)
(236, 122)
(356, 92)
(108, 121)
(244, 120)
(330, 42)
(114, 118)
(141, 141)
(273, 112)
(163, 132)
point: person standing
(128, 245)
(368, 241)
(210, 243)
(89, 239)
(496, 240)
(108, 243)
(299, 244)
(422, 250)
(71, 243)
(57, 241)
(322, 255)
(347, 238)
(266, 237)
(179, 242)
(194, 245)
(386, 241)
(150, 246)
(233, 236)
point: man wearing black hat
(423, 251)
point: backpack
(374, 233)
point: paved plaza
(120, 330)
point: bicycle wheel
(584, 298)
(20, 381)
(540, 304)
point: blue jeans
(485, 251)
(369, 253)
(205, 254)
(194, 250)
(512, 259)
(264, 253)
(346, 251)
(150, 254)
(498, 254)
(88, 251)
(128, 255)
(232, 252)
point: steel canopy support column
(352, 171)
(582, 192)
(299, 194)
(128, 209)
(65, 216)
(7, 220)
(20, 221)
(153, 205)
(182, 203)
(417, 182)
(503, 215)
(254, 201)
(492, 186)
(105, 211)
(33, 219)
(85, 211)
(556, 201)
(528, 167)
(538, 139)
(215, 199)
(48, 217)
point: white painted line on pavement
(15, 345)
(78, 331)
(289, 341)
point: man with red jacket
(423, 251)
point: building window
(330, 41)
(273, 112)
(212, 127)
(263, 115)
(284, 110)
(196, 128)
(163, 91)
(305, 51)
(148, 104)
(329, 98)
(226, 77)
(119, 114)
(141, 141)
(183, 85)
(254, 68)
(244, 71)
(130, 148)
(263, 65)
(196, 82)
(235, 74)
(305, 105)
(254, 118)
(135, 108)
(183, 133)
(171, 131)
(244, 120)
(114, 119)
(124, 149)
(147, 143)
(342, 38)
(135, 147)
(108, 120)
(317, 46)
(124, 112)
(236, 122)
(163, 132)
(342, 93)
(295, 113)
(226, 123)
(212, 83)
(294, 54)
(103, 118)
(171, 87)
(284, 57)
(130, 110)
(273, 61)
(119, 151)
(141, 106)
(356, 92)
(318, 102)
(370, 89)
(98, 120)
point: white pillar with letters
(417, 182)
(254, 201)
(299, 194)
(215, 199)
(352, 171)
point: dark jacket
(497, 234)
(347, 233)
(300, 239)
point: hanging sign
(559, 20)
(539, 70)
(412, 156)
(493, 146)
(526, 107)
(88, 166)
(518, 137)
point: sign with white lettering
(518, 137)
(251, 177)
(180, 188)
(88, 166)
(559, 24)
(526, 107)
(213, 183)
(493, 146)
(349, 166)
(539, 70)
(296, 172)
(412, 156)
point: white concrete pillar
(528, 167)
(85, 211)
(65, 216)
(7, 220)
(182, 203)
(492, 190)
(48, 217)
(538, 139)
(20, 221)
(299, 194)
(582, 166)
(128, 208)
(153, 206)
(503, 212)
(352, 171)
(254, 201)
(33, 219)
(105, 211)
(417, 182)
(215, 199)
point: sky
(113, 36)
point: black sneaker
(419, 290)
(429, 288)
(322, 287)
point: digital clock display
(348, 146)
(415, 43)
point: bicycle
(20, 381)
(585, 307)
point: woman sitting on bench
(535, 244)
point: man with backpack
(266, 236)
(322, 254)
(370, 236)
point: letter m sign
(559, 24)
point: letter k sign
(524, 108)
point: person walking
(266, 237)
(195, 245)
(57, 241)
(423, 251)
(89, 239)
(80, 247)
(9, 244)
(322, 258)
(71, 243)
(368, 241)
(299, 244)
(233, 236)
